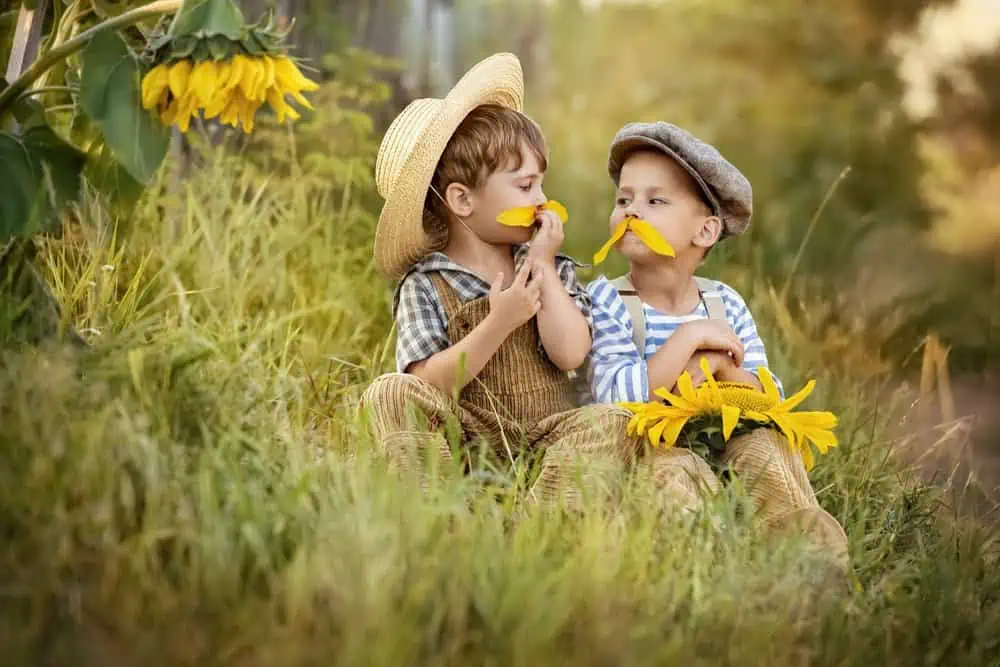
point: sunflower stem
(67, 48)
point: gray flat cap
(724, 185)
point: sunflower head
(210, 63)
(703, 411)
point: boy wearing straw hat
(489, 324)
(676, 196)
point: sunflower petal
(686, 387)
(652, 238)
(673, 430)
(793, 401)
(178, 77)
(656, 432)
(558, 209)
(522, 216)
(768, 383)
(616, 236)
(807, 458)
(280, 106)
(730, 418)
(154, 85)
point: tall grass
(197, 488)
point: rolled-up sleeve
(617, 371)
(421, 324)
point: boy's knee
(394, 390)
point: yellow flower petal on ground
(180, 74)
(522, 216)
(651, 238)
(616, 236)
(154, 85)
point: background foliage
(195, 486)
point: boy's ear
(459, 199)
(708, 235)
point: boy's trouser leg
(408, 417)
(782, 495)
(682, 479)
(585, 451)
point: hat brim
(621, 150)
(400, 240)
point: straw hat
(412, 147)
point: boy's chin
(511, 235)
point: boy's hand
(548, 239)
(719, 363)
(521, 301)
(713, 335)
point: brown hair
(488, 140)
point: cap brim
(399, 237)
(623, 148)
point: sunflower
(211, 63)
(735, 403)
(646, 233)
(233, 89)
(524, 216)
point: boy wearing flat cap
(488, 324)
(659, 320)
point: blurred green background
(887, 109)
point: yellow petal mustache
(646, 233)
(524, 216)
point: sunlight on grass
(196, 487)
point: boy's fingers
(497, 284)
(522, 275)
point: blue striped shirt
(616, 370)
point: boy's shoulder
(607, 291)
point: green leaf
(41, 173)
(63, 161)
(110, 92)
(207, 18)
(220, 47)
(110, 178)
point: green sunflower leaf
(110, 93)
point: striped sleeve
(617, 372)
(421, 325)
(742, 323)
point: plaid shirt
(422, 324)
